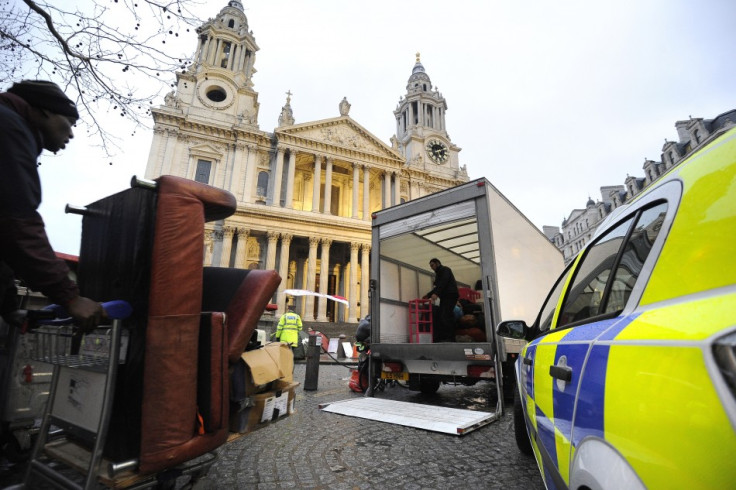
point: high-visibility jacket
(288, 328)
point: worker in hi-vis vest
(290, 324)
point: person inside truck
(445, 288)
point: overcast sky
(548, 100)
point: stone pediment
(340, 132)
(575, 214)
(206, 150)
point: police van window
(636, 251)
(585, 297)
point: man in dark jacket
(34, 115)
(445, 288)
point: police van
(629, 376)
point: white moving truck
(475, 231)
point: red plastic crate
(469, 294)
(420, 321)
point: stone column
(311, 273)
(203, 47)
(324, 272)
(243, 59)
(215, 52)
(283, 272)
(227, 243)
(290, 180)
(249, 64)
(209, 245)
(172, 135)
(386, 190)
(366, 193)
(315, 187)
(397, 189)
(273, 238)
(353, 282)
(303, 266)
(238, 176)
(328, 186)
(276, 197)
(228, 65)
(364, 279)
(341, 312)
(356, 187)
(250, 174)
(241, 248)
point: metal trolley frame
(75, 423)
(65, 409)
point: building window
(203, 171)
(696, 133)
(231, 23)
(262, 186)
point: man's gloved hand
(86, 313)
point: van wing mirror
(513, 329)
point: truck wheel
(429, 386)
(520, 432)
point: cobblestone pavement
(321, 450)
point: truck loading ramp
(454, 421)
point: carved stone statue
(286, 118)
(344, 106)
(171, 100)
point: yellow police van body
(629, 378)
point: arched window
(231, 23)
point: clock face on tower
(437, 151)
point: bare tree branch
(112, 57)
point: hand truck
(80, 398)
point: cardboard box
(283, 355)
(269, 363)
(262, 408)
(284, 399)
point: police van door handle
(563, 373)
(527, 361)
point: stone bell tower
(219, 83)
(421, 133)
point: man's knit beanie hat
(45, 95)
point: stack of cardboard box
(262, 388)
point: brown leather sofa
(146, 246)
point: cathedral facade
(305, 191)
